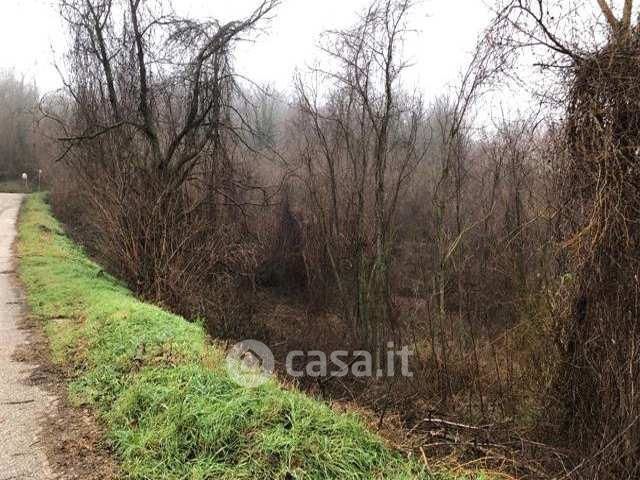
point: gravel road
(21, 404)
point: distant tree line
(18, 141)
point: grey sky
(31, 31)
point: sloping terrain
(168, 404)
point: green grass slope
(169, 408)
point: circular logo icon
(250, 363)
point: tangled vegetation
(347, 213)
(170, 408)
(600, 380)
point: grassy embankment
(169, 407)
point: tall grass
(168, 405)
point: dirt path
(22, 404)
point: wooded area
(18, 140)
(353, 212)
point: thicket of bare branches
(601, 377)
(598, 331)
(361, 139)
(507, 257)
(151, 133)
(396, 218)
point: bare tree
(367, 133)
(149, 124)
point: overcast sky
(31, 35)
